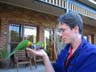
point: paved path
(40, 68)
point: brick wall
(4, 33)
(25, 16)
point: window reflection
(15, 33)
(30, 33)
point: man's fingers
(31, 50)
(39, 52)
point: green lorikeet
(39, 45)
(22, 45)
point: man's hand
(40, 52)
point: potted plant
(3, 53)
(4, 62)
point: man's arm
(47, 63)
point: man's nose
(60, 34)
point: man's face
(66, 34)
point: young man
(78, 55)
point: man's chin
(65, 42)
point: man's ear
(76, 29)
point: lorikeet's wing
(22, 45)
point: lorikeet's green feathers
(40, 44)
(22, 45)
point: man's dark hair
(72, 19)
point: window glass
(15, 35)
(30, 33)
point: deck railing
(71, 6)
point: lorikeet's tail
(11, 53)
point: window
(49, 43)
(15, 35)
(46, 37)
(89, 38)
(18, 32)
(30, 32)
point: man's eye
(61, 30)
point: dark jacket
(83, 59)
